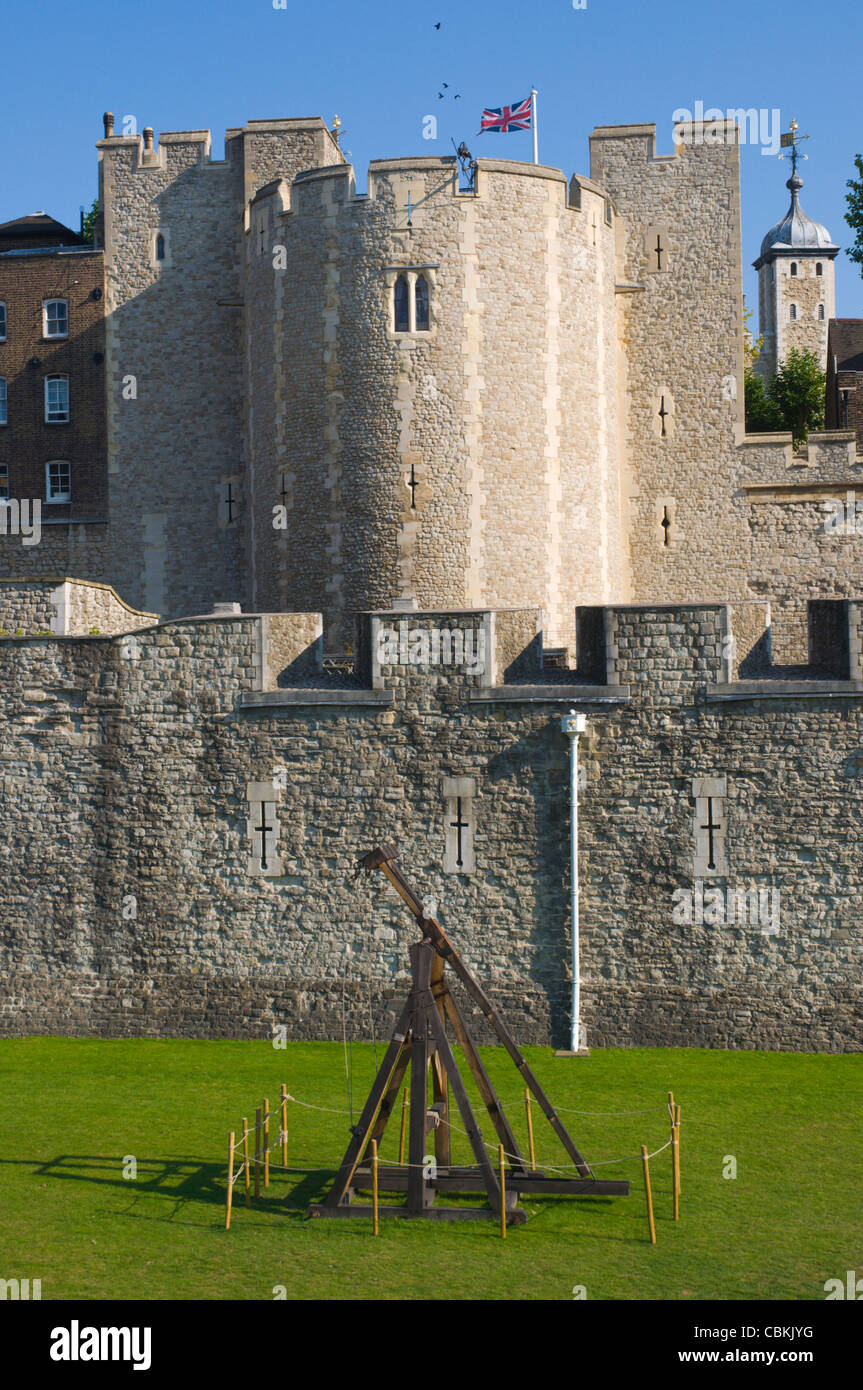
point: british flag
(506, 118)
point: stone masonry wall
(139, 915)
(422, 464)
(65, 607)
(177, 409)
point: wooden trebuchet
(420, 1043)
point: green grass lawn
(73, 1109)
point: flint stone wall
(128, 908)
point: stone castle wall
(504, 414)
(176, 403)
(714, 513)
(681, 353)
(140, 915)
(513, 454)
(65, 607)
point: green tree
(798, 390)
(88, 222)
(762, 414)
(854, 215)
(794, 399)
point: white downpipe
(574, 724)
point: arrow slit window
(459, 825)
(262, 829)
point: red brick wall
(27, 443)
(852, 382)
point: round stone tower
(432, 392)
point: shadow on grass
(179, 1180)
(187, 1182)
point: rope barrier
(563, 1169)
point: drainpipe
(574, 724)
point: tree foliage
(88, 222)
(762, 414)
(854, 215)
(794, 399)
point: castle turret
(796, 294)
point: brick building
(844, 409)
(52, 373)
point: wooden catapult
(420, 1042)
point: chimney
(108, 118)
(148, 137)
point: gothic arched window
(421, 303)
(400, 300)
(160, 247)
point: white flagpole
(533, 123)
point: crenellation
(181, 734)
(396, 481)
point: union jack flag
(506, 118)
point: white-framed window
(55, 318)
(58, 481)
(421, 304)
(793, 311)
(56, 400)
(2, 322)
(4, 415)
(411, 301)
(401, 305)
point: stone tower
(464, 454)
(796, 295)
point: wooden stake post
(284, 1134)
(246, 1160)
(230, 1181)
(420, 1043)
(675, 1163)
(645, 1160)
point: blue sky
(187, 64)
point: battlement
(647, 653)
(390, 179)
(686, 135)
(151, 153)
